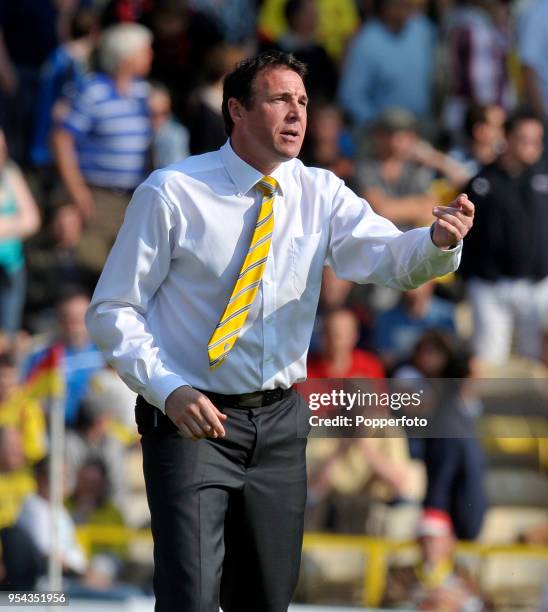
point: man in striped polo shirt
(102, 144)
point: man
(506, 262)
(102, 146)
(196, 295)
(389, 64)
(80, 357)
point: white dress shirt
(186, 233)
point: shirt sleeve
(136, 267)
(367, 248)
(532, 31)
(80, 118)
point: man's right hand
(194, 414)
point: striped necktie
(230, 324)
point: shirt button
(269, 359)
(269, 320)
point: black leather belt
(249, 400)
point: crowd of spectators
(411, 102)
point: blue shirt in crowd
(112, 132)
(385, 69)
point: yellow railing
(376, 551)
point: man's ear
(235, 109)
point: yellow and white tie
(247, 284)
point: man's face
(271, 131)
(71, 315)
(525, 142)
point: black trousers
(227, 514)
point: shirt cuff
(453, 249)
(160, 389)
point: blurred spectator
(61, 77)
(36, 519)
(350, 478)
(300, 40)
(533, 50)
(397, 330)
(90, 504)
(16, 481)
(81, 358)
(207, 131)
(170, 140)
(327, 144)
(102, 147)
(430, 357)
(454, 459)
(484, 138)
(396, 178)
(54, 264)
(437, 582)
(19, 410)
(478, 50)
(506, 258)
(21, 563)
(337, 22)
(84, 579)
(28, 34)
(19, 218)
(340, 358)
(389, 64)
(118, 11)
(92, 439)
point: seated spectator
(102, 145)
(92, 439)
(82, 578)
(206, 125)
(54, 264)
(170, 140)
(484, 131)
(505, 263)
(437, 582)
(19, 219)
(19, 410)
(80, 357)
(16, 480)
(398, 329)
(350, 477)
(339, 357)
(389, 64)
(35, 520)
(300, 40)
(90, 504)
(397, 178)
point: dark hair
(7, 359)
(70, 292)
(239, 83)
(82, 23)
(292, 8)
(477, 113)
(520, 116)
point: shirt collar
(244, 176)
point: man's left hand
(453, 222)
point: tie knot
(268, 185)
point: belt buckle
(251, 400)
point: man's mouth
(291, 134)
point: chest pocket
(307, 256)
